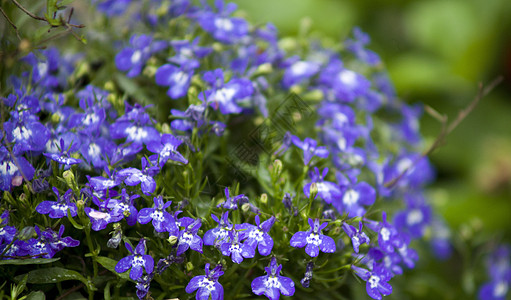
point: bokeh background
(437, 52)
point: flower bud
(55, 118)
(172, 240)
(69, 177)
(277, 167)
(245, 207)
(189, 266)
(264, 198)
(26, 233)
(313, 190)
(109, 86)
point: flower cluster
(155, 154)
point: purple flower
(137, 261)
(273, 284)
(49, 242)
(313, 240)
(226, 96)
(354, 196)
(415, 218)
(133, 58)
(298, 71)
(257, 236)
(305, 281)
(220, 25)
(232, 202)
(161, 219)
(207, 285)
(345, 84)
(288, 204)
(125, 206)
(176, 77)
(188, 237)
(235, 249)
(112, 7)
(11, 170)
(499, 270)
(357, 47)
(327, 190)
(166, 149)
(216, 236)
(133, 176)
(58, 209)
(376, 280)
(310, 149)
(26, 134)
(357, 237)
(63, 157)
(135, 126)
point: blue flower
(133, 58)
(11, 170)
(216, 236)
(298, 71)
(176, 77)
(161, 219)
(313, 240)
(135, 126)
(49, 242)
(257, 236)
(310, 149)
(63, 157)
(273, 284)
(235, 249)
(357, 237)
(137, 261)
(166, 149)
(133, 176)
(357, 47)
(354, 196)
(376, 279)
(27, 134)
(346, 84)
(207, 285)
(232, 202)
(499, 270)
(327, 190)
(58, 209)
(188, 237)
(220, 25)
(226, 96)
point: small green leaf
(51, 8)
(36, 295)
(64, 3)
(52, 275)
(109, 264)
(52, 21)
(73, 222)
(35, 261)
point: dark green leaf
(52, 275)
(35, 261)
(109, 264)
(36, 295)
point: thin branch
(27, 12)
(446, 129)
(12, 24)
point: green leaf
(52, 21)
(51, 9)
(73, 222)
(52, 275)
(64, 3)
(36, 295)
(109, 264)
(36, 261)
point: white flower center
(8, 167)
(138, 260)
(157, 215)
(299, 68)
(414, 217)
(99, 215)
(500, 289)
(94, 150)
(224, 24)
(42, 68)
(135, 57)
(313, 238)
(21, 133)
(272, 282)
(348, 77)
(374, 281)
(136, 133)
(90, 119)
(404, 164)
(62, 207)
(350, 197)
(224, 95)
(208, 284)
(385, 234)
(256, 234)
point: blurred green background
(437, 52)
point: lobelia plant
(272, 145)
